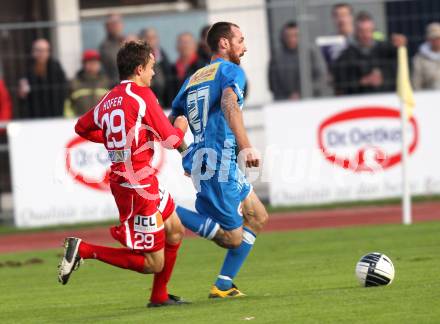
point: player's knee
(157, 266)
(235, 242)
(152, 265)
(234, 239)
(229, 240)
(261, 221)
(257, 220)
(176, 236)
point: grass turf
(301, 277)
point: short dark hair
(290, 24)
(364, 16)
(131, 55)
(219, 30)
(342, 5)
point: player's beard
(234, 57)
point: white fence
(349, 149)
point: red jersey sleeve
(87, 128)
(170, 136)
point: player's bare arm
(177, 122)
(234, 117)
(182, 123)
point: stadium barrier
(348, 149)
(314, 151)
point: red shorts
(166, 205)
(142, 220)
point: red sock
(159, 293)
(122, 257)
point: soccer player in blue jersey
(228, 211)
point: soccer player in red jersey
(128, 120)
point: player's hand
(181, 123)
(251, 157)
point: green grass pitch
(301, 277)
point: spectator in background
(188, 61)
(88, 87)
(163, 78)
(44, 87)
(284, 67)
(203, 50)
(343, 20)
(426, 64)
(342, 15)
(110, 46)
(367, 65)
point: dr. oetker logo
(365, 138)
(89, 164)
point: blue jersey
(199, 101)
(211, 158)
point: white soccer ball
(375, 269)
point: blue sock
(234, 260)
(200, 224)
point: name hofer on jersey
(114, 102)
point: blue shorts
(221, 200)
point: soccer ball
(375, 269)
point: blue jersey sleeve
(233, 77)
(178, 105)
